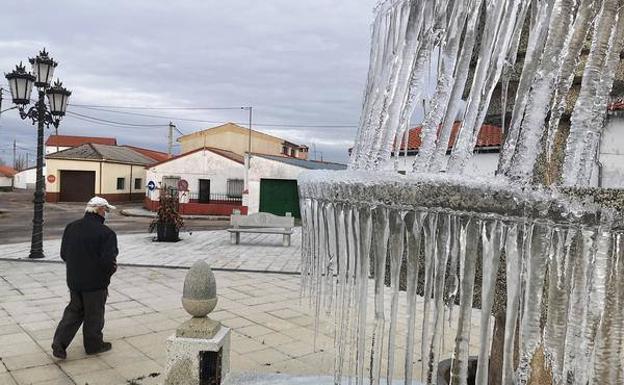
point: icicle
(541, 93)
(430, 229)
(363, 237)
(492, 232)
(443, 239)
(608, 338)
(468, 254)
(513, 273)
(342, 303)
(397, 240)
(413, 225)
(453, 266)
(380, 250)
(559, 287)
(589, 112)
(535, 269)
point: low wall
(192, 208)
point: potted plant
(168, 221)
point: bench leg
(237, 238)
(286, 240)
(232, 238)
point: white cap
(100, 202)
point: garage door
(279, 196)
(77, 186)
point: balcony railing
(217, 198)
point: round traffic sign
(182, 185)
(51, 179)
(151, 185)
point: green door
(279, 196)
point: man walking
(89, 249)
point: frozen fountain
(545, 270)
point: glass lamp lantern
(58, 96)
(43, 68)
(21, 84)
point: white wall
(612, 154)
(6, 181)
(193, 167)
(482, 164)
(52, 149)
(262, 168)
(26, 179)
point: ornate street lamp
(21, 84)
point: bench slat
(263, 230)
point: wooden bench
(262, 223)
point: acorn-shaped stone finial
(199, 296)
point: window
(121, 183)
(235, 188)
(292, 152)
(137, 184)
(284, 150)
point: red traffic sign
(182, 185)
(51, 179)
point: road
(16, 213)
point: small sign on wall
(51, 179)
(151, 185)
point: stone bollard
(199, 352)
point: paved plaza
(273, 332)
(257, 252)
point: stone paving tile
(274, 333)
(257, 252)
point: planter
(167, 232)
(444, 371)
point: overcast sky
(297, 62)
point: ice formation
(451, 240)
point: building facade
(26, 179)
(112, 172)
(6, 177)
(273, 182)
(213, 179)
(234, 138)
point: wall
(612, 154)
(232, 139)
(482, 164)
(6, 182)
(53, 149)
(26, 179)
(262, 168)
(108, 179)
(193, 167)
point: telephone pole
(170, 146)
(14, 154)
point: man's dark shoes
(106, 346)
(59, 353)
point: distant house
(214, 178)
(273, 182)
(486, 151)
(6, 177)
(25, 179)
(56, 143)
(234, 138)
(113, 172)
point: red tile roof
(224, 153)
(618, 105)
(7, 171)
(489, 136)
(158, 156)
(75, 141)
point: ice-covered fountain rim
(461, 194)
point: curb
(125, 212)
(171, 267)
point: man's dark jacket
(89, 249)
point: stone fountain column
(199, 352)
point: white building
(214, 178)
(26, 178)
(6, 178)
(273, 182)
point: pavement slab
(256, 253)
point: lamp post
(21, 83)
